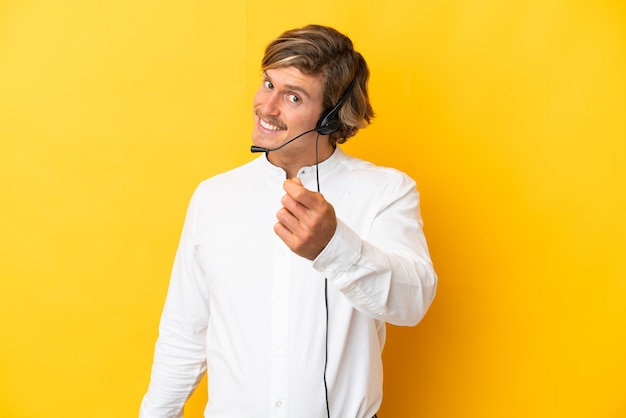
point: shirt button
(279, 404)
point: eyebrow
(291, 86)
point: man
(289, 266)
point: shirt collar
(325, 166)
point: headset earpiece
(329, 122)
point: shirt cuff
(340, 254)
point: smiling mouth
(269, 126)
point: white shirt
(253, 313)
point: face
(287, 104)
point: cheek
(256, 100)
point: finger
(283, 233)
(297, 209)
(300, 194)
(290, 233)
(288, 220)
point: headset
(329, 122)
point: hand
(306, 222)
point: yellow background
(509, 114)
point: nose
(270, 105)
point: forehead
(291, 78)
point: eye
(292, 98)
(268, 84)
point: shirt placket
(280, 332)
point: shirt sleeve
(180, 355)
(388, 274)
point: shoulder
(228, 186)
(230, 179)
(376, 176)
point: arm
(180, 356)
(389, 275)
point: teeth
(269, 126)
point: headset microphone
(254, 148)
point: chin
(269, 141)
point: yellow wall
(509, 114)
